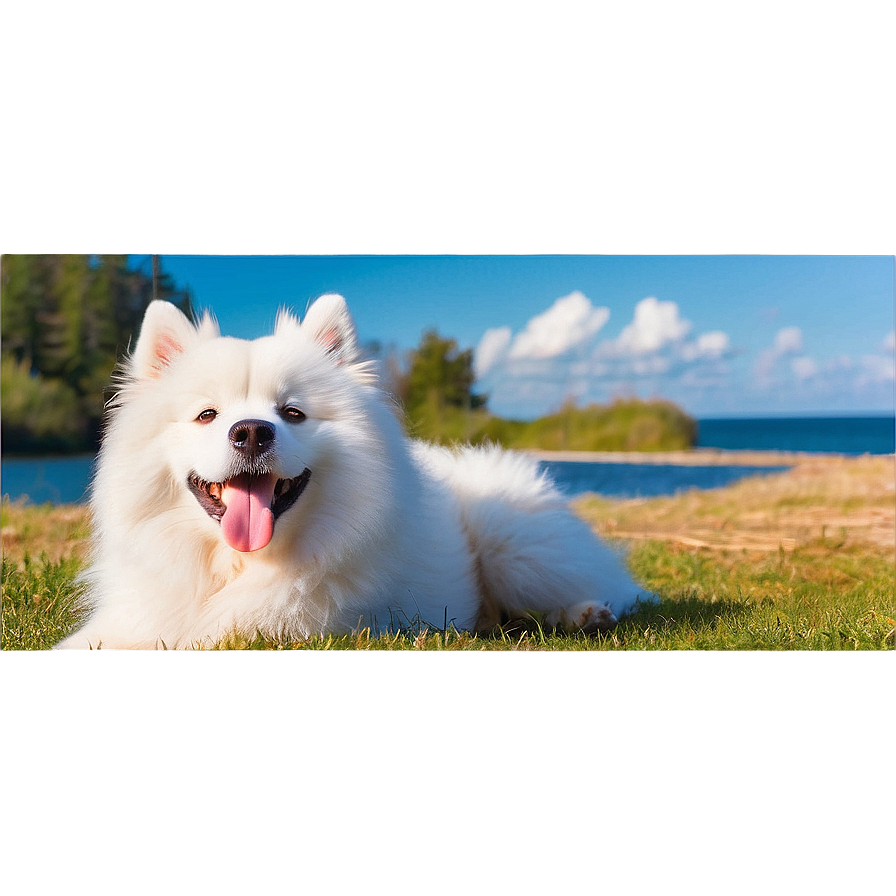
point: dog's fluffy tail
(532, 555)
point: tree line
(66, 320)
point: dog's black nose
(251, 437)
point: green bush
(39, 415)
(630, 425)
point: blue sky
(721, 335)
(602, 129)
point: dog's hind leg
(532, 556)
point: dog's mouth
(248, 505)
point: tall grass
(41, 603)
(625, 425)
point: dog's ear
(165, 334)
(329, 322)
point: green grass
(41, 603)
(704, 605)
(803, 599)
(831, 589)
(760, 609)
(792, 601)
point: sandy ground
(697, 457)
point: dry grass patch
(796, 560)
(831, 502)
(56, 531)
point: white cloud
(789, 341)
(491, 349)
(655, 324)
(877, 369)
(569, 322)
(708, 346)
(783, 372)
(654, 343)
(559, 354)
(713, 344)
(804, 368)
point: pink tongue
(248, 523)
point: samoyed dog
(267, 486)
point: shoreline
(697, 457)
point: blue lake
(61, 480)
(643, 480)
(65, 480)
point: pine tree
(66, 320)
(440, 374)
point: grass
(793, 561)
(41, 603)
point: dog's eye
(207, 415)
(292, 414)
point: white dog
(267, 486)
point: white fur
(387, 532)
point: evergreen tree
(440, 375)
(66, 320)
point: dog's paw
(585, 617)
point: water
(837, 435)
(643, 480)
(65, 480)
(60, 480)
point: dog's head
(239, 432)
